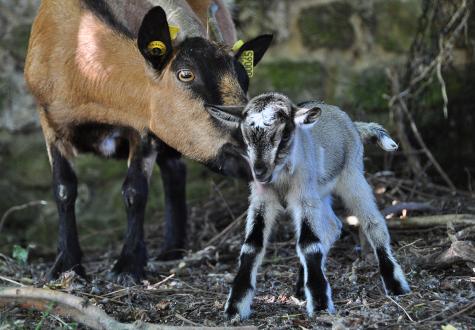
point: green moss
(396, 24)
(299, 80)
(3, 92)
(17, 40)
(327, 26)
(368, 89)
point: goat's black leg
(65, 193)
(130, 267)
(173, 172)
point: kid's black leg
(299, 292)
(312, 254)
(258, 228)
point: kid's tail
(376, 133)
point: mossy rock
(368, 88)
(17, 40)
(396, 24)
(301, 81)
(327, 26)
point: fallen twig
(80, 310)
(403, 309)
(410, 206)
(432, 220)
(226, 230)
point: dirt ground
(192, 291)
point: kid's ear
(154, 39)
(226, 113)
(258, 45)
(306, 116)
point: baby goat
(299, 156)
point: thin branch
(398, 305)
(19, 208)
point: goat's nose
(260, 169)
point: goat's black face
(210, 72)
(188, 76)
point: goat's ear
(258, 45)
(154, 39)
(306, 116)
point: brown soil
(196, 293)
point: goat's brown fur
(82, 71)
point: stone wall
(16, 105)
(335, 50)
(331, 49)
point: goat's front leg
(130, 267)
(65, 193)
(260, 218)
(359, 199)
(173, 172)
(316, 230)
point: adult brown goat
(110, 80)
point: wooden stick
(80, 310)
(432, 220)
(410, 206)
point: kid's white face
(267, 136)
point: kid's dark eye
(286, 136)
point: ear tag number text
(247, 60)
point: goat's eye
(186, 75)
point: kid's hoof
(396, 285)
(233, 316)
(320, 306)
(398, 288)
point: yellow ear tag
(237, 45)
(157, 48)
(174, 30)
(247, 60)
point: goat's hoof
(127, 272)
(167, 254)
(65, 264)
(125, 278)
